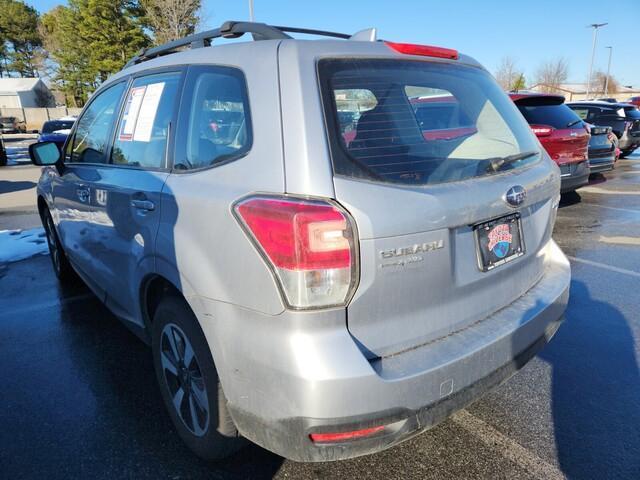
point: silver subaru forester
(331, 245)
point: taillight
(424, 50)
(309, 244)
(541, 130)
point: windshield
(420, 123)
(49, 127)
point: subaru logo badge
(515, 195)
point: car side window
(143, 130)
(215, 124)
(582, 112)
(92, 135)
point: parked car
(602, 149)
(56, 131)
(12, 125)
(561, 132)
(3, 154)
(320, 299)
(608, 100)
(634, 101)
(623, 118)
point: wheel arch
(153, 289)
(42, 205)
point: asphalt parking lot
(79, 397)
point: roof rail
(232, 29)
(310, 31)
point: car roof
(202, 49)
(599, 103)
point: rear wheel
(626, 153)
(61, 266)
(189, 382)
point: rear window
(556, 116)
(414, 122)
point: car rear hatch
(421, 186)
(632, 115)
(559, 129)
(600, 145)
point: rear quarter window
(215, 122)
(418, 122)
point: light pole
(606, 80)
(595, 27)
(251, 10)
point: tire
(213, 435)
(61, 266)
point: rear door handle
(143, 205)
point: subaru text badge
(515, 195)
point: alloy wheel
(184, 380)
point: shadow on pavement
(7, 186)
(595, 390)
(569, 198)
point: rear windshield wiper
(497, 163)
(571, 124)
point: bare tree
(171, 19)
(508, 75)
(599, 80)
(551, 74)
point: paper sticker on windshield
(147, 112)
(131, 111)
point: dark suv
(623, 118)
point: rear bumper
(283, 385)
(574, 176)
(602, 166)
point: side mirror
(44, 154)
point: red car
(561, 132)
(634, 101)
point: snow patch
(20, 244)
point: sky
(530, 32)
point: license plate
(499, 241)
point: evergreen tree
(19, 36)
(112, 31)
(90, 40)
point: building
(578, 91)
(25, 93)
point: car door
(127, 190)
(73, 202)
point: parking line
(630, 210)
(605, 266)
(508, 448)
(51, 304)
(607, 192)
